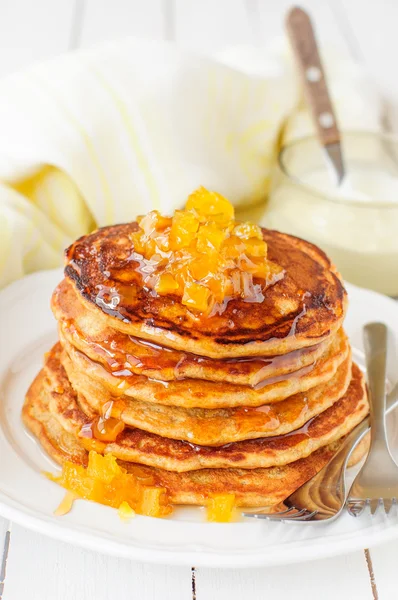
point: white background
(38, 568)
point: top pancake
(90, 333)
(210, 394)
(302, 309)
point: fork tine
(375, 503)
(305, 517)
(292, 514)
(279, 514)
(388, 504)
(284, 516)
(282, 512)
(356, 507)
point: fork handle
(375, 341)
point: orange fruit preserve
(106, 482)
(202, 255)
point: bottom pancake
(252, 488)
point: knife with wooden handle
(302, 38)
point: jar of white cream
(356, 222)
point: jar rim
(329, 197)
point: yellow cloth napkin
(99, 136)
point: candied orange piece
(209, 238)
(201, 253)
(106, 482)
(104, 468)
(196, 296)
(163, 240)
(257, 267)
(92, 444)
(183, 229)
(235, 279)
(166, 284)
(158, 260)
(125, 511)
(203, 266)
(143, 245)
(256, 248)
(153, 221)
(66, 504)
(138, 241)
(181, 277)
(220, 508)
(220, 286)
(117, 491)
(211, 205)
(247, 231)
(233, 247)
(75, 478)
(151, 504)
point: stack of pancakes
(253, 401)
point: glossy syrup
(126, 356)
(107, 426)
(275, 441)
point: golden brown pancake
(302, 309)
(208, 394)
(56, 441)
(135, 445)
(208, 427)
(256, 487)
(116, 351)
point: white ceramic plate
(27, 330)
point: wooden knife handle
(302, 38)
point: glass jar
(356, 223)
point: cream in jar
(355, 223)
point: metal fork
(322, 498)
(376, 485)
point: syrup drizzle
(147, 356)
(105, 427)
(271, 441)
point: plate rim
(74, 534)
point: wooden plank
(5, 527)
(343, 577)
(105, 20)
(383, 563)
(209, 26)
(31, 31)
(40, 568)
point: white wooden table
(38, 568)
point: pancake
(302, 309)
(208, 427)
(252, 488)
(115, 350)
(207, 394)
(135, 445)
(55, 440)
(90, 333)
